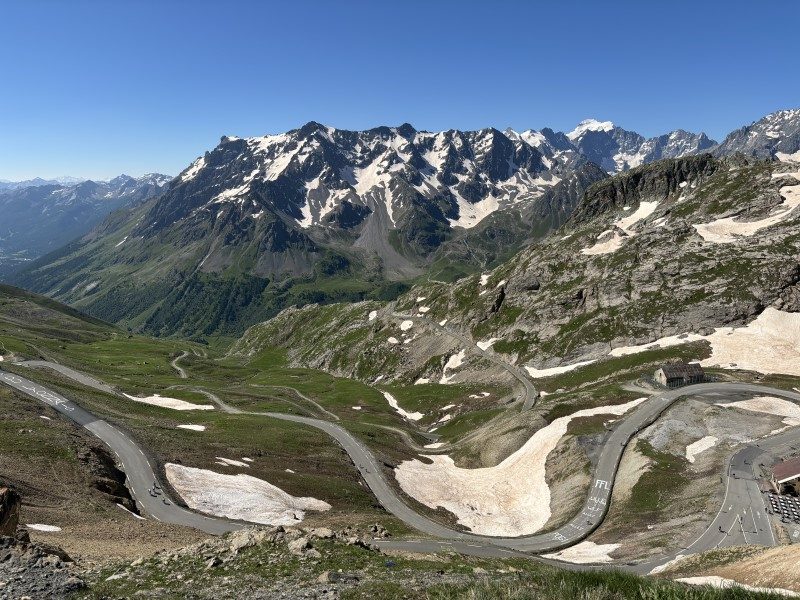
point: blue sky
(96, 88)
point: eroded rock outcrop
(9, 511)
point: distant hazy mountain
(15, 185)
(40, 217)
(616, 149)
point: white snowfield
(173, 403)
(625, 224)
(411, 416)
(608, 245)
(769, 405)
(667, 565)
(644, 210)
(665, 342)
(453, 362)
(721, 583)
(786, 157)
(229, 462)
(193, 169)
(192, 427)
(42, 527)
(472, 213)
(509, 499)
(585, 552)
(239, 496)
(728, 230)
(589, 125)
(701, 445)
(768, 344)
(549, 372)
(487, 344)
(372, 315)
(406, 325)
(131, 513)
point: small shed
(674, 375)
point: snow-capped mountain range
(616, 149)
(318, 175)
(321, 176)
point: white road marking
(741, 524)
(721, 508)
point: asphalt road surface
(741, 518)
(132, 459)
(77, 376)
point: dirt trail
(181, 373)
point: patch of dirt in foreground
(125, 538)
(767, 567)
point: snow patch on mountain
(623, 228)
(470, 214)
(411, 416)
(589, 125)
(509, 499)
(729, 229)
(193, 169)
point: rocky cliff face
(775, 136)
(9, 511)
(34, 570)
(29, 569)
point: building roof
(682, 370)
(786, 470)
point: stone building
(674, 375)
(786, 474)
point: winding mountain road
(740, 496)
(132, 459)
(177, 367)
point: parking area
(787, 508)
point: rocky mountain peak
(590, 125)
(777, 135)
